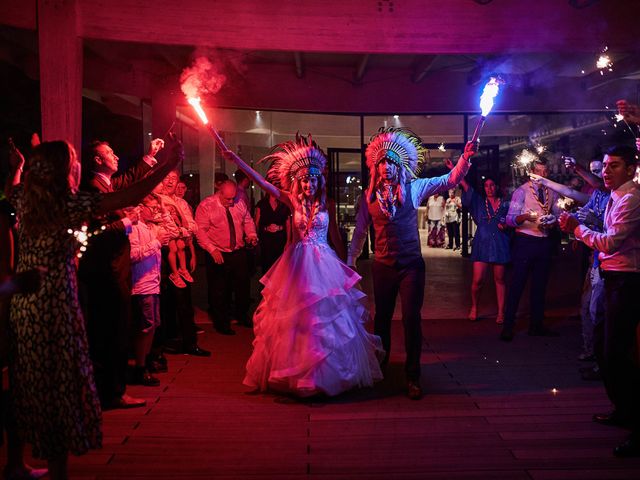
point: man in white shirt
(619, 246)
(223, 224)
(532, 212)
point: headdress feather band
(294, 160)
(399, 145)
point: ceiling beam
(382, 94)
(358, 77)
(297, 57)
(422, 67)
(485, 67)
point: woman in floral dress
(54, 395)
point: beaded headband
(294, 160)
(400, 146)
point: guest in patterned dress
(54, 395)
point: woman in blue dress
(490, 247)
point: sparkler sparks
(604, 62)
(526, 158)
(565, 203)
(442, 148)
(83, 235)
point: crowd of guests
(106, 273)
(604, 217)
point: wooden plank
(352, 27)
(60, 54)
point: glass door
(344, 186)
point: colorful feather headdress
(398, 145)
(294, 160)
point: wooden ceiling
(402, 56)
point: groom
(391, 204)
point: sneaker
(177, 281)
(184, 273)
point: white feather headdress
(294, 160)
(399, 145)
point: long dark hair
(46, 186)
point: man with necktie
(532, 212)
(224, 224)
(617, 339)
(105, 274)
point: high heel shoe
(500, 319)
(473, 315)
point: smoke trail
(202, 77)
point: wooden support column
(60, 71)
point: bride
(309, 327)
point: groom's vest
(397, 241)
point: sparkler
(604, 62)
(82, 236)
(526, 158)
(565, 204)
(195, 103)
(489, 92)
(620, 118)
(442, 148)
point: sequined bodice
(316, 231)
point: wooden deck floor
(490, 410)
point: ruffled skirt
(310, 334)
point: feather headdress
(294, 160)
(399, 145)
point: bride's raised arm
(271, 189)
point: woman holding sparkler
(54, 395)
(309, 328)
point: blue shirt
(597, 204)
